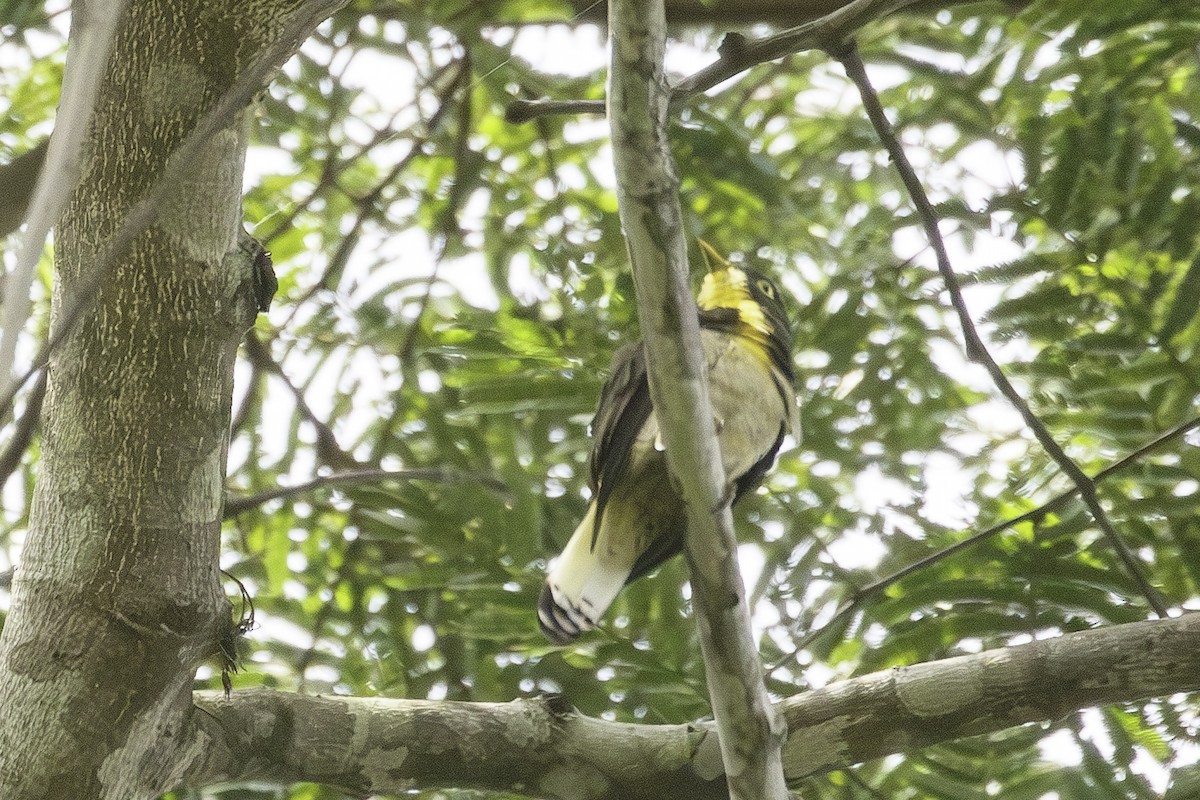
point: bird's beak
(711, 257)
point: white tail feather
(583, 581)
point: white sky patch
(1095, 731)
(392, 82)
(423, 638)
(751, 562)
(873, 490)
(563, 50)
(818, 675)
(857, 550)
(270, 627)
(1060, 747)
(1149, 768)
(949, 484)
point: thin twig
(519, 111)
(829, 32)
(14, 451)
(864, 593)
(738, 54)
(328, 448)
(236, 505)
(975, 348)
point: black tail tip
(555, 622)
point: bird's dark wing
(719, 319)
(661, 548)
(623, 409)
(751, 478)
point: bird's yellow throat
(728, 287)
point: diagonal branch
(648, 202)
(738, 54)
(864, 593)
(975, 348)
(93, 31)
(143, 214)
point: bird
(636, 519)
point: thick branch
(541, 746)
(904, 708)
(648, 199)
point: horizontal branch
(901, 709)
(538, 746)
(542, 746)
(358, 477)
(738, 54)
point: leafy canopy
(454, 285)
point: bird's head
(755, 297)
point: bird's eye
(766, 287)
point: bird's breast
(745, 397)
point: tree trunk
(118, 596)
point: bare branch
(975, 348)
(542, 746)
(829, 32)
(519, 111)
(237, 505)
(738, 54)
(648, 201)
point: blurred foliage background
(453, 287)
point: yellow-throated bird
(636, 519)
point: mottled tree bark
(117, 598)
(542, 747)
(751, 732)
